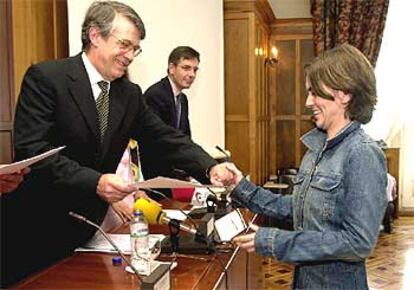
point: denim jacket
(337, 206)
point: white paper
(17, 166)
(176, 214)
(100, 244)
(230, 225)
(165, 182)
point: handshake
(225, 174)
(112, 188)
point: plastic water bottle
(140, 252)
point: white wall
(170, 23)
(393, 120)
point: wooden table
(95, 271)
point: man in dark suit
(86, 103)
(167, 100)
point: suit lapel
(168, 88)
(81, 91)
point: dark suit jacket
(160, 99)
(56, 107)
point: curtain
(357, 22)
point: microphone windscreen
(152, 211)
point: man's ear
(345, 98)
(94, 36)
(171, 68)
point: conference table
(196, 271)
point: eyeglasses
(126, 45)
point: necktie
(178, 111)
(102, 105)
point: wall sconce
(272, 59)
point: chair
(287, 179)
(287, 171)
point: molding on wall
(260, 7)
(291, 26)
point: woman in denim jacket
(339, 195)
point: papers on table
(17, 166)
(176, 214)
(100, 244)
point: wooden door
(30, 32)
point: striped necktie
(102, 105)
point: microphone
(85, 220)
(224, 152)
(150, 190)
(154, 214)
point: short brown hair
(183, 52)
(345, 68)
(101, 14)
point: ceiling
(284, 9)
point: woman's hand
(246, 242)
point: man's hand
(246, 242)
(9, 182)
(142, 194)
(225, 174)
(111, 188)
(123, 210)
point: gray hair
(101, 15)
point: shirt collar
(175, 90)
(316, 138)
(93, 74)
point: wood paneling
(40, 32)
(6, 146)
(6, 83)
(285, 143)
(290, 118)
(30, 32)
(285, 76)
(237, 76)
(306, 56)
(393, 163)
(237, 140)
(246, 36)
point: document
(17, 166)
(230, 225)
(176, 214)
(100, 244)
(165, 182)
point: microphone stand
(227, 157)
(174, 227)
(84, 219)
(199, 236)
